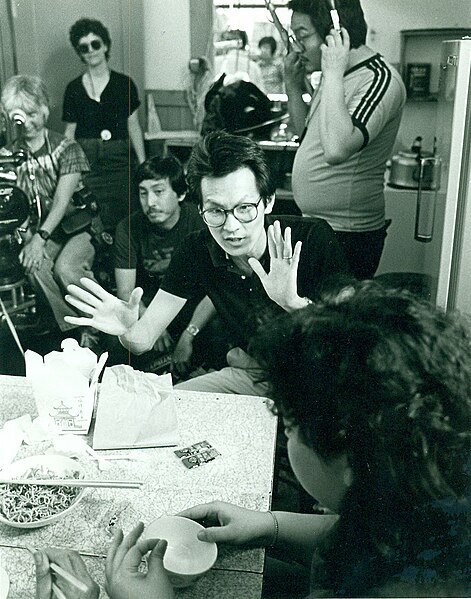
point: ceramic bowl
(40, 466)
(187, 558)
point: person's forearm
(55, 216)
(69, 131)
(336, 127)
(203, 313)
(139, 338)
(299, 534)
(135, 133)
(62, 197)
(297, 109)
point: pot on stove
(414, 168)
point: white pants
(241, 377)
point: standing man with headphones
(348, 130)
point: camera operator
(49, 177)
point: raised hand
(107, 313)
(335, 53)
(231, 524)
(281, 282)
(295, 71)
(123, 578)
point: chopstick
(74, 482)
(57, 592)
(70, 578)
(80, 552)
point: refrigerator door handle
(425, 210)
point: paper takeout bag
(65, 385)
(135, 409)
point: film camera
(15, 209)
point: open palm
(280, 283)
(106, 312)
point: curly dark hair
(384, 379)
(350, 14)
(219, 153)
(83, 27)
(163, 168)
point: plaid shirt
(42, 170)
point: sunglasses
(86, 48)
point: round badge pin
(105, 135)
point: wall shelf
(423, 46)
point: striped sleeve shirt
(350, 195)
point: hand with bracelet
(234, 525)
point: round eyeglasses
(244, 213)
(85, 48)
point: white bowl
(59, 467)
(187, 558)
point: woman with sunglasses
(100, 111)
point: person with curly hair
(374, 388)
(100, 110)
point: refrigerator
(442, 256)
(454, 146)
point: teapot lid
(411, 154)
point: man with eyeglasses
(251, 265)
(348, 131)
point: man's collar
(222, 259)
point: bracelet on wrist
(192, 329)
(276, 529)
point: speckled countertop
(240, 427)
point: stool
(15, 296)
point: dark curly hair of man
(385, 379)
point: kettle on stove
(414, 168)
(417, 169)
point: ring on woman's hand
(287, 257)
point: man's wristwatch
(43, 234)
(192, 329)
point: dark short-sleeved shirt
(118, 101)
(142, 246)
(240, 300)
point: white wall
(166, 43)
(43, 48)
(386, 19)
